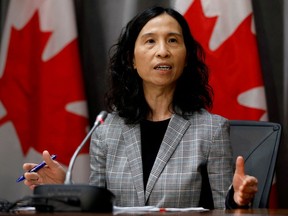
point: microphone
(69, 197)
(99, 120)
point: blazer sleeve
(97, 159)
(220, 163)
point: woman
(160, 146)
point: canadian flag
(225, 29)
(42, 102)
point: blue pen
(36, 168)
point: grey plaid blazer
(175, 179)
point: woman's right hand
(51, 173)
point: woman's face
(160, 52)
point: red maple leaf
(234, 66)
(35, 93)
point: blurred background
(53, 68)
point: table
(237, 212)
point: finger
(243, 201)
(32, 187)
(246, 197)
(243, 198)
(28, 166)
(240, 169)
(48, 160)
(31, 179)
(30, 184)
(252, 189)
(250, 181)
(30, 176)
(248, 190)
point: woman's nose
(163, 50)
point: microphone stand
(99, 120)
(69, 197)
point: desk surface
(237, 212)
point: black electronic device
(72, 198)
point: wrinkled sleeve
(97, 160)
(220, 163)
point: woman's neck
(160, 104)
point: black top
(152, 134)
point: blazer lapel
(132, 136)
(174, 133)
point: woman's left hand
(245, 186)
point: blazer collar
(173, 135)
(132, 137)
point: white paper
(119, 210)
